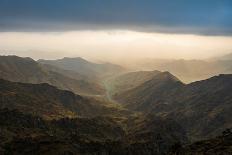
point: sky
(116, 29)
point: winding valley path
(109, 90)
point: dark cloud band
(179, 16)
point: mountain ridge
(142, 93)
(85, 67)
(202, 107)
(27, 70)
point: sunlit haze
(113, 45)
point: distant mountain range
(85, 67)
(27, 70)
(188, 70)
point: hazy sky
(115, 29)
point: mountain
(41, 118)
(150, 92)
(51, 103)
(129, 80)
(202, 108)
(168, 115)
(188, 70)
(27, 70)
(68, 73)
(85, 67)
(155, 112)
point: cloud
(213, 17)
(112, 45)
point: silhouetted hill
(27, 70)
(85, 67)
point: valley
(118, 112)
(115, 77)
(109, 90)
